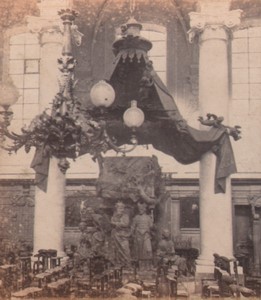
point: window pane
(240, 75)
(158, 53)
(162, 76)
(254, 60)
(31, 80)
(32, 51)
(18, 80)
(240, 91)
(255, 107)
(189, 213)
(153, 35)
(239, 45)
(255, 45)
(239, 108)
(16, 67)
(18, 39)
(158, 49)
(30, 111)
(255, 75)
(24, 70)
(18, 111)
(255, 91)
(240, 60)
(246, 67)
(159, 63)
(31, 96)
(17, 52)
(31, 66)
(21, 96)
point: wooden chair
(225, 282)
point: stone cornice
(214, 21)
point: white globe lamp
(102, 94)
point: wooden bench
(59, 287)
(27, 293)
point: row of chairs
(226, 281)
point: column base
(204, 265)
(204, 270)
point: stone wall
(17, 209)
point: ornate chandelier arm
(115, 147)
(14, 136)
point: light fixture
(8, 96)
(69, 130)
(133, 117)
(102, 94)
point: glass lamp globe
(133, 117)
(8, 94)
(102, 94)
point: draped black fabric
(165, 128)
(132, 77)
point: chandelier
(66, 130)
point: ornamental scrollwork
(215, 121)
(200, 21)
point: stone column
(49, 216)
(212, 26)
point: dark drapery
(132, 77)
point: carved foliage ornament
(200, 21)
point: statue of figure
(166, 245)
(93, 233)
(255, 202)
(84, 248)
(141, 230)
(120, 235)
(166, 253)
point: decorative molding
(46, 28)
(50, 27)
(217, 24)
(86, 182)
(44, 24)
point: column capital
(44, 24)
(216, 23)
(49, 23)
(47, 29)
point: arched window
(24, 69)
(246, 68)
(158, 54)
